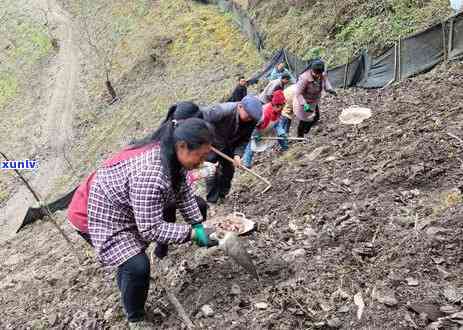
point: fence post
(346, 72)
(399, 61)
(395, 62)
(450, 41)
(444, 44)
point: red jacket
(270, 116)
(77, 210)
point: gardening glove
(202, 234)
(307, 108)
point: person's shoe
(213, 198)
(141, 325)
(161, 250)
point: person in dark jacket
(240, 91)
(233, 124)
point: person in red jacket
(270, 124)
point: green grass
(343, 27)
(28, 43)
(8, 88)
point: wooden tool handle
(221, 154)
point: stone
(108, 314)
(411, 281)
(310, 232)
(387, 299)
(344, 309)
(235, 290)
(293, 255)
(316, 153)
(261, 305)
(449, 309)
(207, 311)
(334, 322)
(52, 318)
(427, 311)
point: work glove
(257, 137)
(202, 234)
(307, 108)
(332, 92)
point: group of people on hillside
(132, 199)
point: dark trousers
(219, 186)
(170, 211)
(170, 215)
(304, 126)
(133, 280)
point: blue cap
(253, 107)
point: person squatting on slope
(132, 202)
(240, 91)
(270, 123)
(307, 96)
(278, 71)
(233, 124)
(281, 83)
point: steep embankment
(57, 116)
(373, 212)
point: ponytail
(179, 111)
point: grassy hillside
(25, 46)
(339, 28)
(175, 51)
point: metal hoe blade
(231, 246)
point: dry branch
(47, 210)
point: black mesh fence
(412, 55)
(379, 71)
(456, 37)
(422, 51)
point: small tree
(104, 33)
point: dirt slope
(58, 113)
(375, 212)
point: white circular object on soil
(354, 115)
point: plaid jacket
(125, 208)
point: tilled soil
(372, 212)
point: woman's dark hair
(183, 110)
(178, 111)
(194, 132)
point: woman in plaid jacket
(128, 200)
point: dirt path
(63, 80)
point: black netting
(278, 57)
(421, 52)
(456, 44)
(36, 213)
(294, 63)
(241, 18)
(380, 70)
